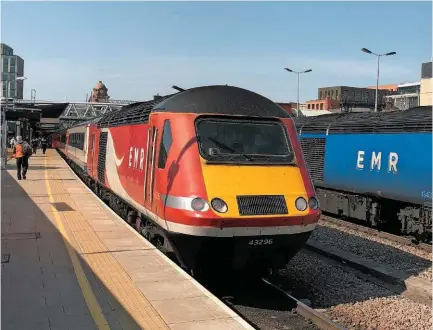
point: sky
(139, 49)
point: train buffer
(68, 262)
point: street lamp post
(365, 50)
(19, 79)
(33, 95)
(298, 73)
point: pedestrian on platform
(12, 142)
(44, 144)
(22, 151)
(35, 143)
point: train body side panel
(92, 151)
(396, 166)
(126, 166)
(78, 154)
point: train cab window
(166, 142)
(240, 141)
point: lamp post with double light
(365, 50)
(298, 73)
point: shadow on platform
(39, 286)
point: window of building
(332, 93)
(336, 94)
(308, 106)
(320, 94)
(166, 142)
(12, 61)
(5, 64)
(321, 106)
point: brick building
(291, 106)
(354, 97)
(327, 103)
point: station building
(407, 96)
(426, 84)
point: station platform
(69, 262)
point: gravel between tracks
(406, 258)
(351, 301)
(384, 313)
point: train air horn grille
(262, 205)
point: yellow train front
(231, 184)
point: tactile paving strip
(103, 264)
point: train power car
(373, 167)
(212, 175)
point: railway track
(266, 305)
(374, 232)
(296, 314)
(309, 313)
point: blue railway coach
(374, 167)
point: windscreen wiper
(221, 144)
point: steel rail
(307, 312)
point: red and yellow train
(210, 175)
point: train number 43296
(255, 242)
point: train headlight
(219, 205)
(199, 204)
(313, 203)
(301, 204)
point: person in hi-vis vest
(22, 154)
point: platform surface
(69, 262)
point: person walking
(35, 143)
(12, 142)
(44, 144)
(21, 153)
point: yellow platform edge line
(86, 289)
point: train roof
(417, 119)
(217, 99)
